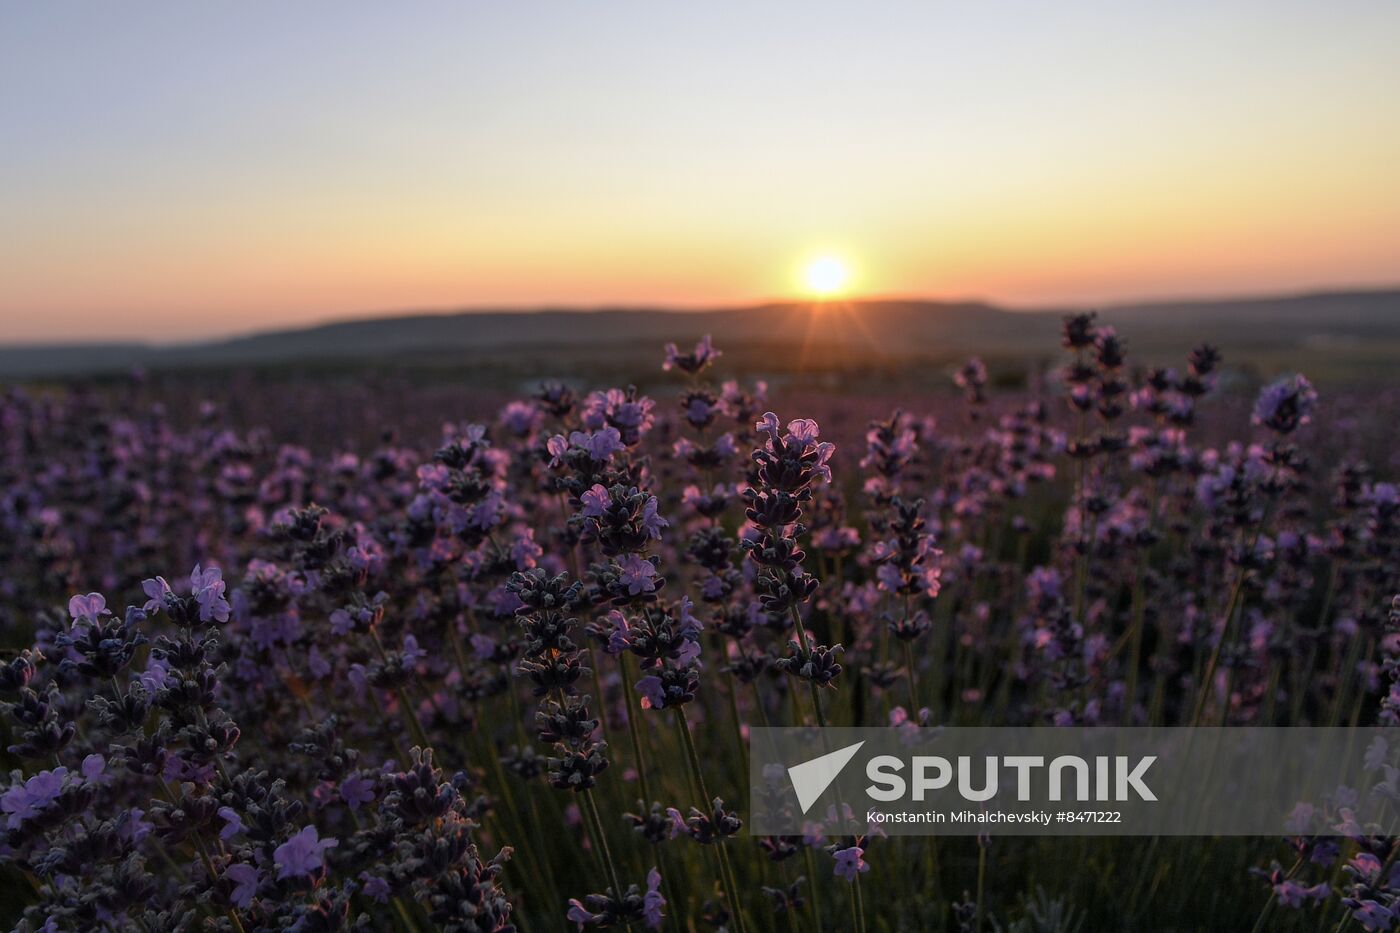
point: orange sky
(324, 161)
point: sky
(173, 171)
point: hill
(1360, 324)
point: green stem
(913, 681)
(731, 888)
(807, 656)
(603, 703)
(858, 903)
(411, 714)
(812, 886)
(1235, 593)
(591, 808)
(635, 730)
(981, 883)
(733, 686)
(1135, 638)
(404, 917)
(1303, 682)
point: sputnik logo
(811, 778)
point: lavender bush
(504, 681)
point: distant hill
(895, 329)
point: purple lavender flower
(246, 880)
(653, 903)
(624, 410)
(375, 887)
(694, 362)
(1374, 916)
(652, 522)
(88, 608)
(557, 446)
(26, 801)
(652, 691)
(581, 915)
(207, 587)
(1293, 894)
(595, 500)
(132, 825)
(357, 790)
(800, 441)
(302, 855)
(1285, 405)
(618, 639)
(411, 653)
(156, 590)
(233, 823)
(94, 770)
(601, 445)
(520, 418)
(637, 574)
(849, 863)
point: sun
(826, 276)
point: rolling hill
(893, 330)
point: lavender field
(323, 655)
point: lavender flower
(1285, 405)
(849, 863)
(694, 362)
(303, 855)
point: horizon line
(370, 315)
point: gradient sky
(177, 170)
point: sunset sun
(826, 276)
